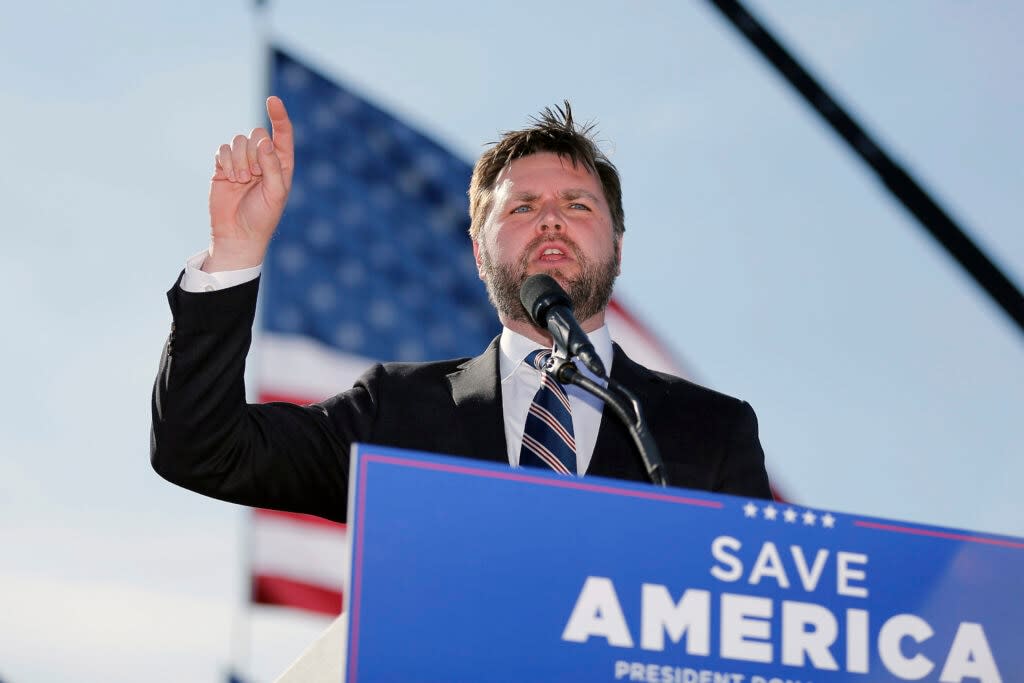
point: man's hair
(553, 130)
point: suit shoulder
(403, 371)
(685, 385)
(411, 382)
(688, 392)
(432, 370)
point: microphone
(550, 308)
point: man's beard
(589, 291)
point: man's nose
(551, 217)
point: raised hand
(248, 191)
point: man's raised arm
(205, 436)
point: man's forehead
(545, 163)
(564, 193)
(527, 177)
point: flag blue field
(372, 258)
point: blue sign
(466, 571)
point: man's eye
(577, 205)
(521, 209)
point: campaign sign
(464, 571)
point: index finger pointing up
(284, 141)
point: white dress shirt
(195, 280)
(519, 381)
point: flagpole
(241, 623)
(241, 627)
(261, 20)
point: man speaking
(543, 200)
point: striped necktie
(548, 437)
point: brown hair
(553, 130)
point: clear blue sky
(778, 267)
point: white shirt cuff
(195, 280)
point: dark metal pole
(927, 211)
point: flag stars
(295, 77)
(324, 117)
(291, 258)
(809, 518)
(750, 510)
(770, 512)
(323, 174)
(345, 104)
(828, 521)
(382, 314)
(789, 515)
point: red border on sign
(913, 531)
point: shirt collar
(513, 348)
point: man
(542, 200)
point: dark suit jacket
(206, 438)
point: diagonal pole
(931, 216)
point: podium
(470, 571)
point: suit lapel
(476, 391)
(614, 453)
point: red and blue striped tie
(548, 437)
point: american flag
(372, 261)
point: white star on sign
(809, 518)
(828, 521)
(770, 513)
(789, 515)
(750, 510)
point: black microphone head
(539, 293)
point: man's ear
(476, 256)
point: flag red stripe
(275, 397)
(298, 518)
(628, 318)
(285, 592)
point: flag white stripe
(301, 367)
(307, 552)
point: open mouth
(551, 253)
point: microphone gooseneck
(550, 308)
